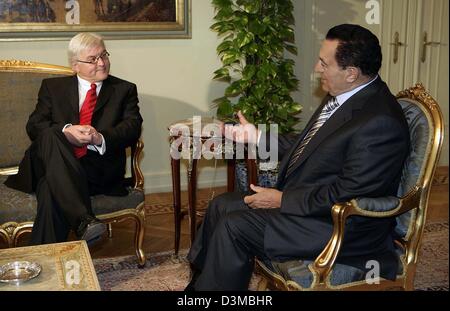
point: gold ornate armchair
(19, 85)
(409, 207)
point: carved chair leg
(262, 284)
(409, 284)
(139, 237)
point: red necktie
(86, 115)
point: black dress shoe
(91, 230)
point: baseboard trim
(206, 177)
(162, 181)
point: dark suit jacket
(358, 152)
(116, 117)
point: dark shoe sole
(94, 241)
(93, 232)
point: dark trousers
(62, 188)
(227, 242)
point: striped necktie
(323, 117)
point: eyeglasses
(94, 60)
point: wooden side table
(192, 188)
(65, 267)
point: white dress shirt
(83, 87)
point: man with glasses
(79, 131)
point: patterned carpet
(164, 272)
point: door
(414, 39)
(433, 59)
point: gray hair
(83, 41)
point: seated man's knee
(225, 203)
(48, 135)
(234, 223)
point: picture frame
(22, 20)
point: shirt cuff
(100, 149)
(66, 126)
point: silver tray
(17, 272)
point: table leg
(192, 185)
(252, 172)
(231, 174)
(176, 201)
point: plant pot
(267, 175)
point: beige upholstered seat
(409, 207)
(19, 85)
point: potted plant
(256, 34)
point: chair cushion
(298, 271)
(419, 132)
(383, 204)
(103, 204)
(16, 205)
(20, 207)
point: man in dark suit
(79, 130)
(354, 145)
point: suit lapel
(105, 93)
(313, 118)
(74, 98)
(338, 119)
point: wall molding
(206, 177)
(162, 181)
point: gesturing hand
(264, 198)
(244, 132)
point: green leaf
(256, 27)
(224, 14)
(216, 26)
(222, 74)
(291, 48)
(225, 108)
(225, 45)
(222, 4)
(234, 89)
(295, 108)
(230, 56)
(243, 39)
(251, 7)
(249, 72)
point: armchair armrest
(368, 207)
(383, 204)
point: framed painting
(114, 19)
